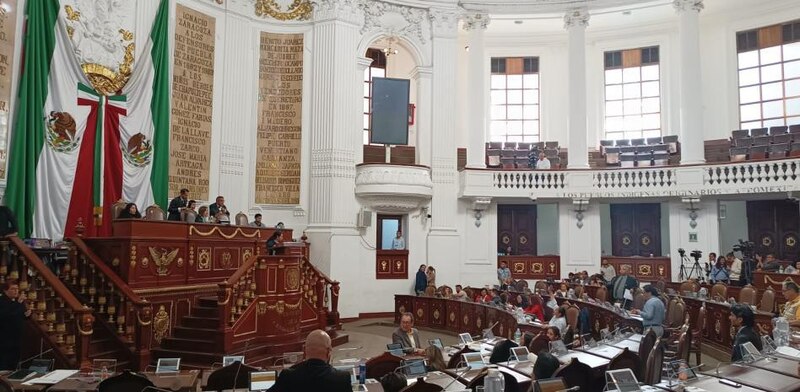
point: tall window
(769, 76)
(515, 99)
(633, 94)
(376, 70)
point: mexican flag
(77, 149)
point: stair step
(200, 322)
(173, 343)
(208, 302)
(203, 311)
(184, 332)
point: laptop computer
(558, 348)
(261, 381)
(395, 349)
(749, 352)
(436, 343)
(414, 368)
(168, 365)
(37, 367)
(680, 370)
(623, 379)
(520, 353)
(231, 359)
(474, 360)
(465, 338)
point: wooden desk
(757, 378)
(391, 264)
(601, 317)
(438, 378)
(762, 280)
(603, 351)
(532, 267)
(631, 345)
(185, 381)
(708, 383)
(648, 269)
(783, 365)
(718, 332)
(523, 381)
(595, 362)
(455, 316)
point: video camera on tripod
(748, 251)
(696, 271)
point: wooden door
(516, 228)
(773, 226)
(636, 229)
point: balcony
(391, 188)
(765, 176)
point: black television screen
(390, 111)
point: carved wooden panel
(401, 305)
(646, 269)
(453, 318)
(438, 313)
(532, 267)
(516, 229)
(636, 229)
(773, 226)
(421, 311)
(391, 264)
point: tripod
(695, 271)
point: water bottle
(781, 332)
(362, 372)
(517, 336)
(494, 381)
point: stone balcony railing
(769, 176)
(393, 188)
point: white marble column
(691, 103)
(575, 21)
(422, 76)
(476, 87)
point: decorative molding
(375, 13)
(686, 5)
(578, 17)
(444, 22)
(479, 205)
(477, 21)
(297, 10)
(344, 10)
(393, 188)
(327, 163)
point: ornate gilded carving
(281, 306)
(552, 267)
(145, 262)
(519, 267)
(115, 262)
(238, 231)
(298, 10)
(133, 256)
(452, 317)
(163, 257)
(160, 324)
(179, 263)
(262, 308)
(420, 313)
(84, 324)
(465, 320)
(226, 259)
(645, 270)
(191, 256)
(537, 268)
(246, 253)
(204, 259)
(384, 265)
(436, 314)
(402, 309)
(292, 279)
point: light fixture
(390, 49)
(581, 205)
(480, 204)
(691, 201)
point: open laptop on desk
(231, 359)
(261, 381)
(168, 365)
(465, 338)
(436, 343)
(519, 354)
(474, 360)
(395, 349)
(622, 380)
(414, 368)
(38, 367)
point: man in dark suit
(8, 223)
(407, 335)
(217, 207)
(743, 319)
(620, 283)
(315, 373)
(180, 201)
(12, 313)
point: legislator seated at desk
(407, 335)
(315, 373)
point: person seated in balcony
(315, 373)
(219, 207)
(543, 163)
(484, 296)
(13, 313)
(791, 310)
(130, 212)
(459, 294)
(274, 241)
(793, 269)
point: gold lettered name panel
(280, 104)
(8, 23)
(192, 102)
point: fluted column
(691, 132)
(575, 22)
(423, 77)
(476, 25)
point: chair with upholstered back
(661, 285)
(502, 351)
(748, 295)
(471, 293)
(125, 382)
(549, 385)
(233, 376)
(383, 364)
(638, 299)
(154, 213)
(422, 386)
(670, 310)
(626, 360)
(5, 386)
(689, 285)
(655, 361)
(678, 314)
(719, 291)
(578, 291)
(646, 344)
(767, 303)
(430, 291)
(117, 208)
(456, 359)
(572, 317)
(601, 294)
(189, 216)
(539, 343)
(445, 291)
(698, 332)
(575, 374)
(241, 219)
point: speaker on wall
(390, 111)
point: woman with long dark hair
(130, 212)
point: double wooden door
(636, 229)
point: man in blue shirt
(653, 311)
(503, 273)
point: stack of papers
(788, 351)
(53, 377)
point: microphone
(408, 364)
(716, 370)
(457, 376)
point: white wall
(732, 225)
(547, 229)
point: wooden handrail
(323, 276)
(249, 263)
(58, 286)
(108, 272)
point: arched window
(769, 75)
(632, 94)
(376, 69)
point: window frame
(625, 59)
(379, 61)
(523, 102)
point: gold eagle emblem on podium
(163, 258)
